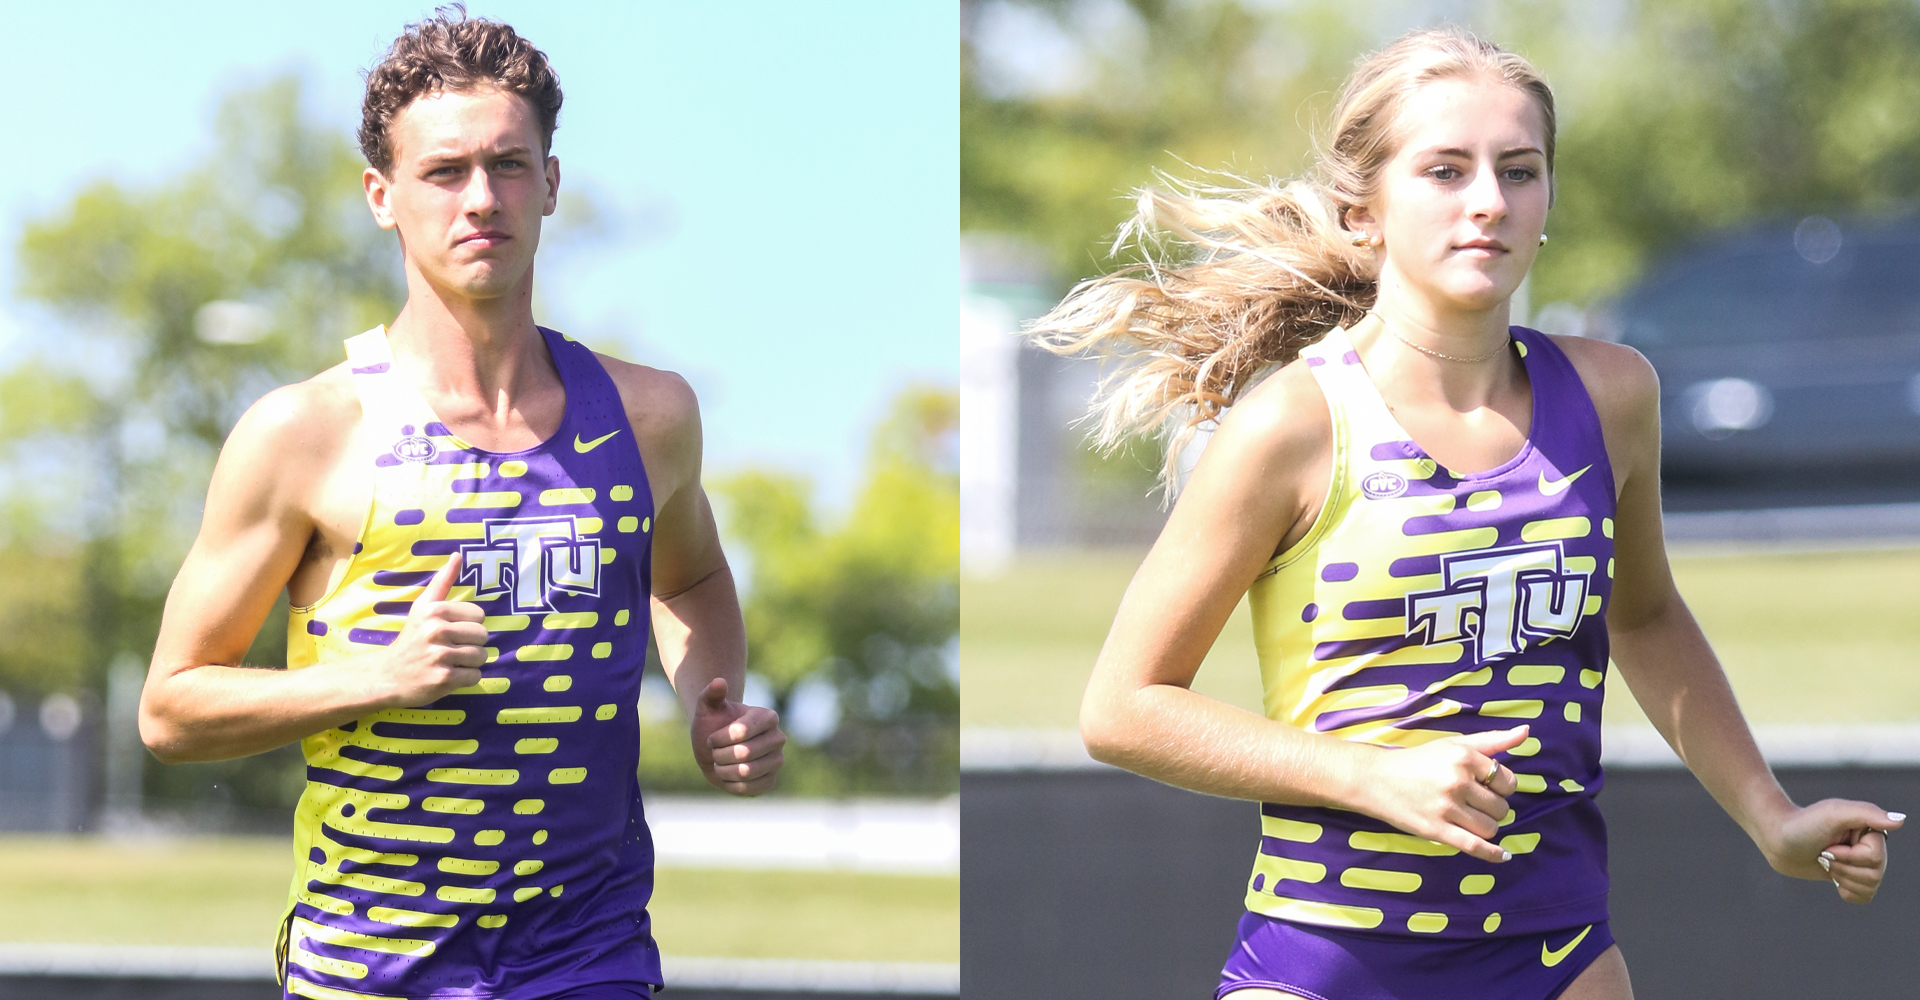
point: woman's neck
(1419, 318)
(1416, 352)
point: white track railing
(761, 974)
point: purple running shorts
(1326, 963)
(606, 991)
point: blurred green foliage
(869, 605)
(140, 386)
(133, 398)
(1677, 117)
(110, 425)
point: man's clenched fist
(738, 746)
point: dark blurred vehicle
(1786, 352)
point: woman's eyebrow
(1468, 154)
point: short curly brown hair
(453, 52)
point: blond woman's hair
(1240, 276)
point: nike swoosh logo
(1551, 957)
(1555, 487)
(586, 446)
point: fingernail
(1826, 855)
(1897, 817)
(1506, 855)
(1826, 863)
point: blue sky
(787, 175)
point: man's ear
(379, 197)
(553, 185)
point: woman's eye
(1444, 173)
(1519, 174)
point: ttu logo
(1499, 601)
(528, 558)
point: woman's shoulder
(1275, 438)
(1626, 396)
(1285, 410)
(1618, 378)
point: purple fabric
(606, 991)
(600, 991)
(586, 927)
(1558, 874)
(1322, 963)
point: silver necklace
(1448, 357)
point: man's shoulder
(665, 415)
(305, 415)
(659, 389)
(660, 403)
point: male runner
(475, 520)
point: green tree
(176, 306)
(1700, 115)
(1212, 84)
(869, 604)
(147, 377)
(1678, 118)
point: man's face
(467, 189)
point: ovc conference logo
(528, 558)
(1499, 601)
(1382, 485)
(413, 447)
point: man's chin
(486, 281)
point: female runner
(1443, 524)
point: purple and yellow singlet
(1424, 604)
(491, 844)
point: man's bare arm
(695, 608)
(199, 702)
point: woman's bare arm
(1255, 491)
(1668, 665)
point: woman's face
(1462, 203)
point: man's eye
(509, 165)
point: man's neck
(481, 364)
(472, 348)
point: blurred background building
(1028, 479)
(1737, 197)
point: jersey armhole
(344, 569)
(1331, 501)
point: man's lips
(485, 238)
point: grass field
(228, 892)
(1809, 637)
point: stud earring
(1543, 239)
(1362, 240)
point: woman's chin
(1475, 296)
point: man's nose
(477, 197)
